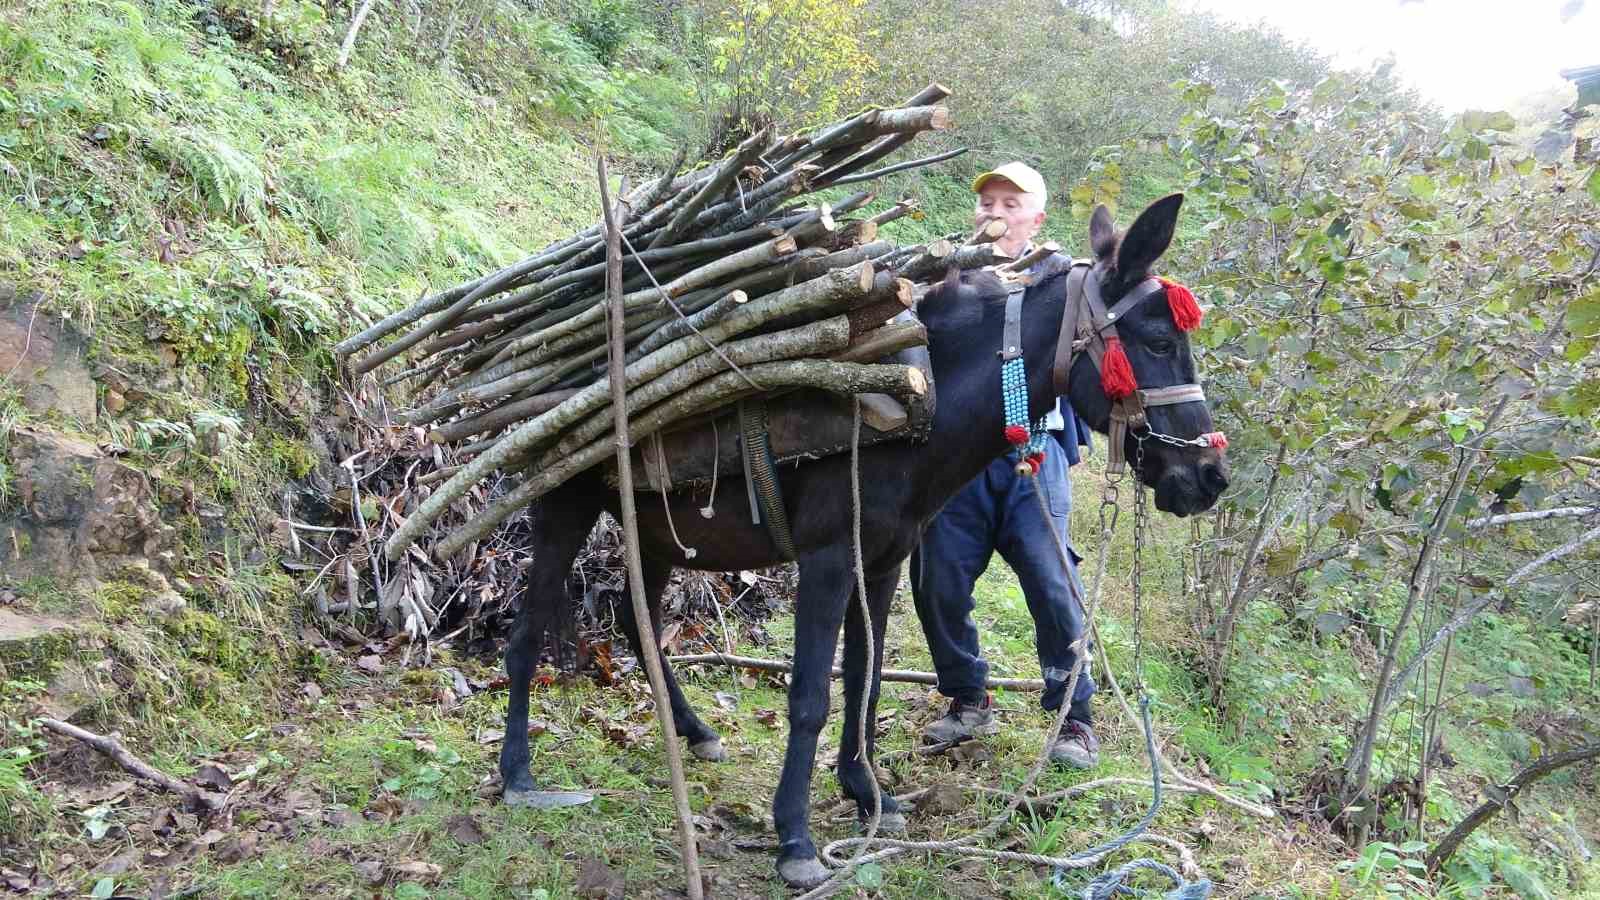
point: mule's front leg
(855, 768)
(819, 612)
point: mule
(902, 486)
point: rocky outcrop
(74, 510)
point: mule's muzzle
(1186, 486)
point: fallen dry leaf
(465, 829)
(239, 848)
(727, 700)
(596, 881)
(421, 871)
(370, 871)
(212, 776)
(767, 717)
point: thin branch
(1504, 797)
(1482, 603)
(902, 675)
(1560, 512)
(350, 36)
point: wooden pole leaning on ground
(630, 534)
(907, 676)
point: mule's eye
(1161, 348)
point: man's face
(1001, 199)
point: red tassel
(1116, 373)
(1016, 434)
(1035, 461)
(1216, 439)
(1186, 313)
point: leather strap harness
(1086, 323)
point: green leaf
(1476, 120)
(103, 889)
(1416, 211)
(1525, 883)
(1423, 187)
(870, 876)
(1583, 316)
(1593, 185)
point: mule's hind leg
(704, 743)
(561, 525)
(855, 769)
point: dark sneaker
(1077, 746)
(963, 722)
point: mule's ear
(1149, 236)
(1102, 233)
(952, 280)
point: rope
(1111, 882)
(964, 846)
(1106, 886)
(666, 506)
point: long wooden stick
(812, 296)
(630, 537)
(903, 675)
(197, 800)
(904, 383)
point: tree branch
(1482, 603)
(1507, 798)
(1560, 512)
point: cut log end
(865, 276)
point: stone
(75, 507)
(115, 402)
(42, 647)
(44, 358)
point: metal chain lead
(1140, 523)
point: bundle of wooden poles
(735, 287)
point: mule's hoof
(888, 823)
(710, 751)
(804, 874)
(545, 799)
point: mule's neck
(969, 414)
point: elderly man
(997, 511)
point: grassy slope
(307, 202)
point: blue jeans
(997, 511)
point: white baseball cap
(1022, 175)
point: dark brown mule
(902, 486)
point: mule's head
(1185, 479)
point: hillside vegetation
(202, 196)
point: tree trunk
(350, 36)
